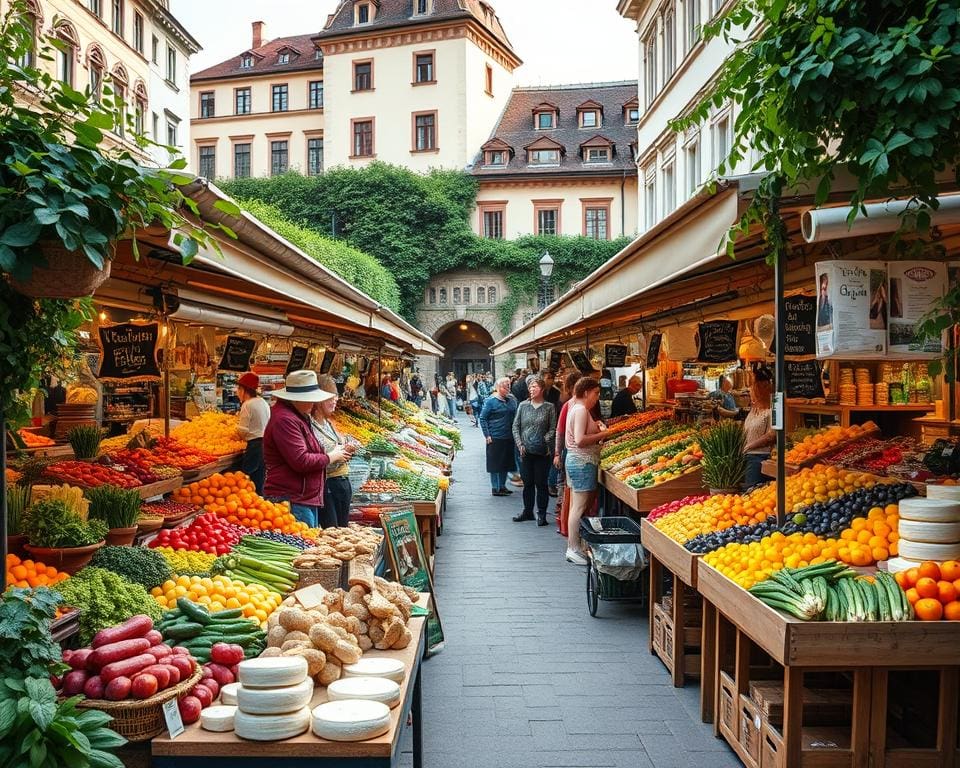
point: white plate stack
(929, 528)
(273, 698)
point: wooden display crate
(160, 487)
(676, 558)
(644, 499)
(220, 465)
(428, 520)
(769, 467)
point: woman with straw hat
(296, 462)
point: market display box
(644, 499)
(676, 558)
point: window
(172, 127)
(422, 7)
(589, 118)
(425, 132)
(492, 295)
(283, 58)
(692, 22)
(488, 80)
(598, 155)
(544, 157)
(721, 142)
(492, 222)
(481, 295)
(67, 55)
(208, 162)
(28, 58)
(669, 185)
(495, 158)
(279, 157)
(241, 99)
(119, 80)
(650, 67)
(596, 219)
(138, 114)
(95, 65)
(155, 126)
(650, 197)
(443, 295)
(715, 6)
(547, 221)
(171, 64)
(317, 54)
(241, 161)
(423, 68)
(246, 61)
(545, 120)
(94, 6)
(207, 104)
(363, 76)
(363, 13)
(669, 44)
(316, 94)
(363, 138)
(314, 156)
(433, 295)
(280, 98)
(692, 152)
(138, 32)
(456, 295)
(117, 19)
(633, 115)
(154, 49)
(466, 295)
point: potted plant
(723, 465)
(118, 508)
(18, 499)
(58, 536)
(85, 441)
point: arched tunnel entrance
(467, 346)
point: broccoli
(137, 564)
(105, 599)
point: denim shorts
(581, 476)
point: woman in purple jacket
(296, 462)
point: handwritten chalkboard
(237, 354)
(803, 379)
(581, 361)
(614, 355)
(556, 360)
(718, 341)
(799, 313)
(129, 351)
(298, 359)
(653, 350)
(327, 361)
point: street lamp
(546, 270)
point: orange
(912, 575)
(930, 569)
(947, 592)
(927, 587)
(951, 611)
(912, 595)
(901, 577)
(950, 570)
(928, 609)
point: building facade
(135, 48)
(676, 66)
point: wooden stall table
(757, 644)
(428, 519)
(220, 465)
(197, 748)
(642, 500)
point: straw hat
(302, 386)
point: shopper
(496, 423)
(337, 490)
(551, 392)
(296, 462)
(758, 428)
(560, 450)
(623, 402)
(416, 388)
(519, 386)
(450, 392)
(582, 439)
(254, 416)
(472, 406)
(727, 404)
(534, 432)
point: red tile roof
(265, 62)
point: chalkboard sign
(614, 355)
(653, 350)
(129, 352)
(298, 359)
(581, 361)
(717, 341)
(803, 379)
(799, 313)
(327, 361)
(237, 354)
(556, 360)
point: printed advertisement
(852, 309)
(914, 287)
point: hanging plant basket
(67, 275)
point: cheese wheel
(219, 718)
(392, 669)
(930, 510)
(272, 672)
(271, 727)
(919, 551)
(274, 701)
(228, 694)
(940, 491)
(365, 688)
(934, 533)
(351, 720)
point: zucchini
(869, 599)
(857, 610)
(883, 600)
(231, 614)
(236, 628)
(895, 596)
(194, 611)
(184, 631)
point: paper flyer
(914, 287)
(852, 309)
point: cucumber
(194, 611)
(184, 631)
(895, 596)
(842, 605)
(849, 604)
(869, 599)
(230, 614)
(883, 600)
(236, 628)
(856, 601)
(200, 642)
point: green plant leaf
(22, 234)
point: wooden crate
(822, 706)
(749, 732)
(771, 747)
(680, 561)
(729, 714)
(644, 499)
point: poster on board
(852, 308)
(236, 354)
(718, 341)
(298, 359)
(615, 355)
(799, 312)
(129, 352)
(803, 380)
(914, 288)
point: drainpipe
(623, 207)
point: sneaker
(500, 492)
(576, 558)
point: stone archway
(467, 348)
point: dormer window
(633, 115)
(546, 120)
(598, 155)
(317, 54)
(631, 112)
(363, 13)
(283, 58)
(246, 61)
(496, 158)
(545, 116)
(599, 149)
(589, 118)
(422, 7)
(543, 157)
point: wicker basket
(67, 274)
(328, 577)
(142, 720)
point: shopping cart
(605, 537)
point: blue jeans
(754, 474)
(451, 408)
(306, 514)
(498, 480)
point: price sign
(327, 361)
(581, 361)
(799, 313)
(614, 355)
(717, 341)
(171, 714)
(298, 359)
(653, 350)
(803, 379)
(129, 352)
(237, 354)
(556, 360)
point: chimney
(259, 28)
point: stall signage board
(799, 313)
(581, 361)
(556, 360)
(718, 341)
(852, 309)
(129, 352)
(298, 359)
(803, 379)
(914, 287)
(327, 361)
(653, 350)
(533, 362)
(614, 355)
(236, 354)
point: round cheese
(271, 727)
(272, 672)
(351, 720)
(930, 510)
(919, 551)
(274, 701)
(940, 491)
(228, 694)
(219, 718)
(392, 669)
(366, 689)
(934, 533)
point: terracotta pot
(67, 274)
(121, 537)
(66, 559)
(15, 545)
